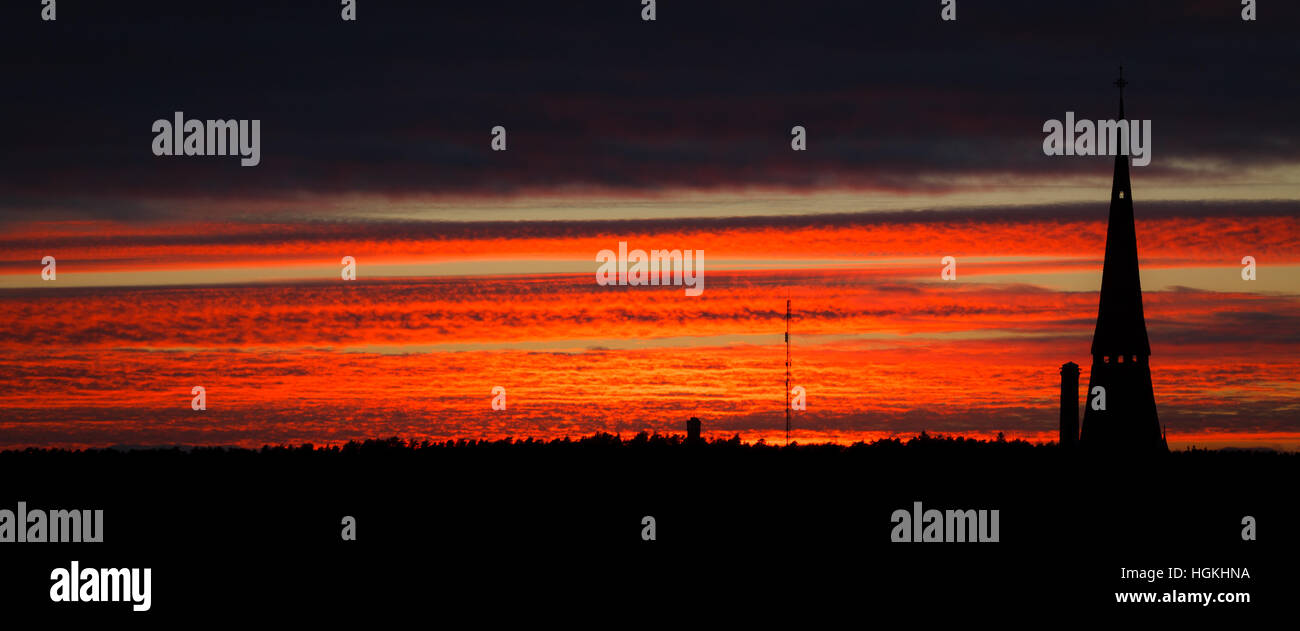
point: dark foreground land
(525, 531)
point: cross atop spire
(1120, 83)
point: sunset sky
(477, 268)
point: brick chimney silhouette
(693, 430)
(1069, 405)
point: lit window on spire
(1121, 194)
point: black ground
(534, 531)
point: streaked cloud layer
(1173, 233)
(476, 268)
(399, 105)
(882, 345)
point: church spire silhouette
(1120, 348)
(1120, 83)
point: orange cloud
(102, 246)
(329, 362)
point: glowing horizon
(290, 353)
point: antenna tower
(787, 371)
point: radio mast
(787, 371)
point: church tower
(1120, 349)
